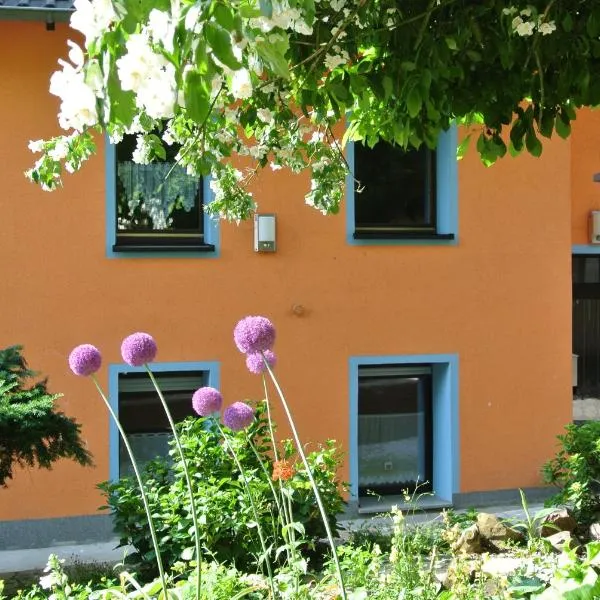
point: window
(142, 415)
(586, 325)
(398, 190)
(395, 434)
(397, 194)
(403, 426)
(157, 207)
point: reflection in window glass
(394, 428)
(142, 416)
(159, 199)
(398, 188)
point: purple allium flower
(254, 334)
(238, 416)
(256, 364)
(85, 359)
(138, 349)
(206, 401)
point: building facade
(433, 342)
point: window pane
(159, 198)
(399, 187)
(394, 431)
(142, 416)
(586, 269)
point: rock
(458, 569)
(469, 542)
(594, 532)
(563, 540)
(502, 566)
(558, 520)
(495, 531)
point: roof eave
(34, 13)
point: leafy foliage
(270, 80)
(227, 530)
(32, 431)
(576, 469)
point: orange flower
(282, 470)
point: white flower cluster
(79, 99)
(527, 22)
(339, 57)
(149, 75)
(93, 18)
(284, 17)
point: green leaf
(533, 145)
(197, 99)
(567, 22)
(451, 43)
(122, 104)
(563, 127)
(219, 41)
(546, 125)
(414, 102)
(339, 90)
(274, 55)
(224, 16)
(388, 86)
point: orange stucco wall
(585, 162)
(500, 299)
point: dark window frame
(161, 240)
(140, 390)
(423, 372)
(426, 231)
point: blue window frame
(433, 381)
(129, 386)
(146, 234)
(409, 198)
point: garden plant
(260, 528)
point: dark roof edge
(26, 13)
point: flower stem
(187, 479)
(271, 429)
(281, 508)
(310, 477)
(140, 483)
(253, 505)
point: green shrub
(576, 470)
(227, 529)
(33, 432)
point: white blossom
(241, 84)
(78, 108)
(36, 146)
(142, 153)
(192, 17)
(93, 18)
(47, 581)
(265, 115)
(150, 76)
(525, 29)
(342, 34)
(337, 5)
(60, 150)
(140, 59)
(335, 60)
(547, 28)
(161, 28)
(75, 54)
